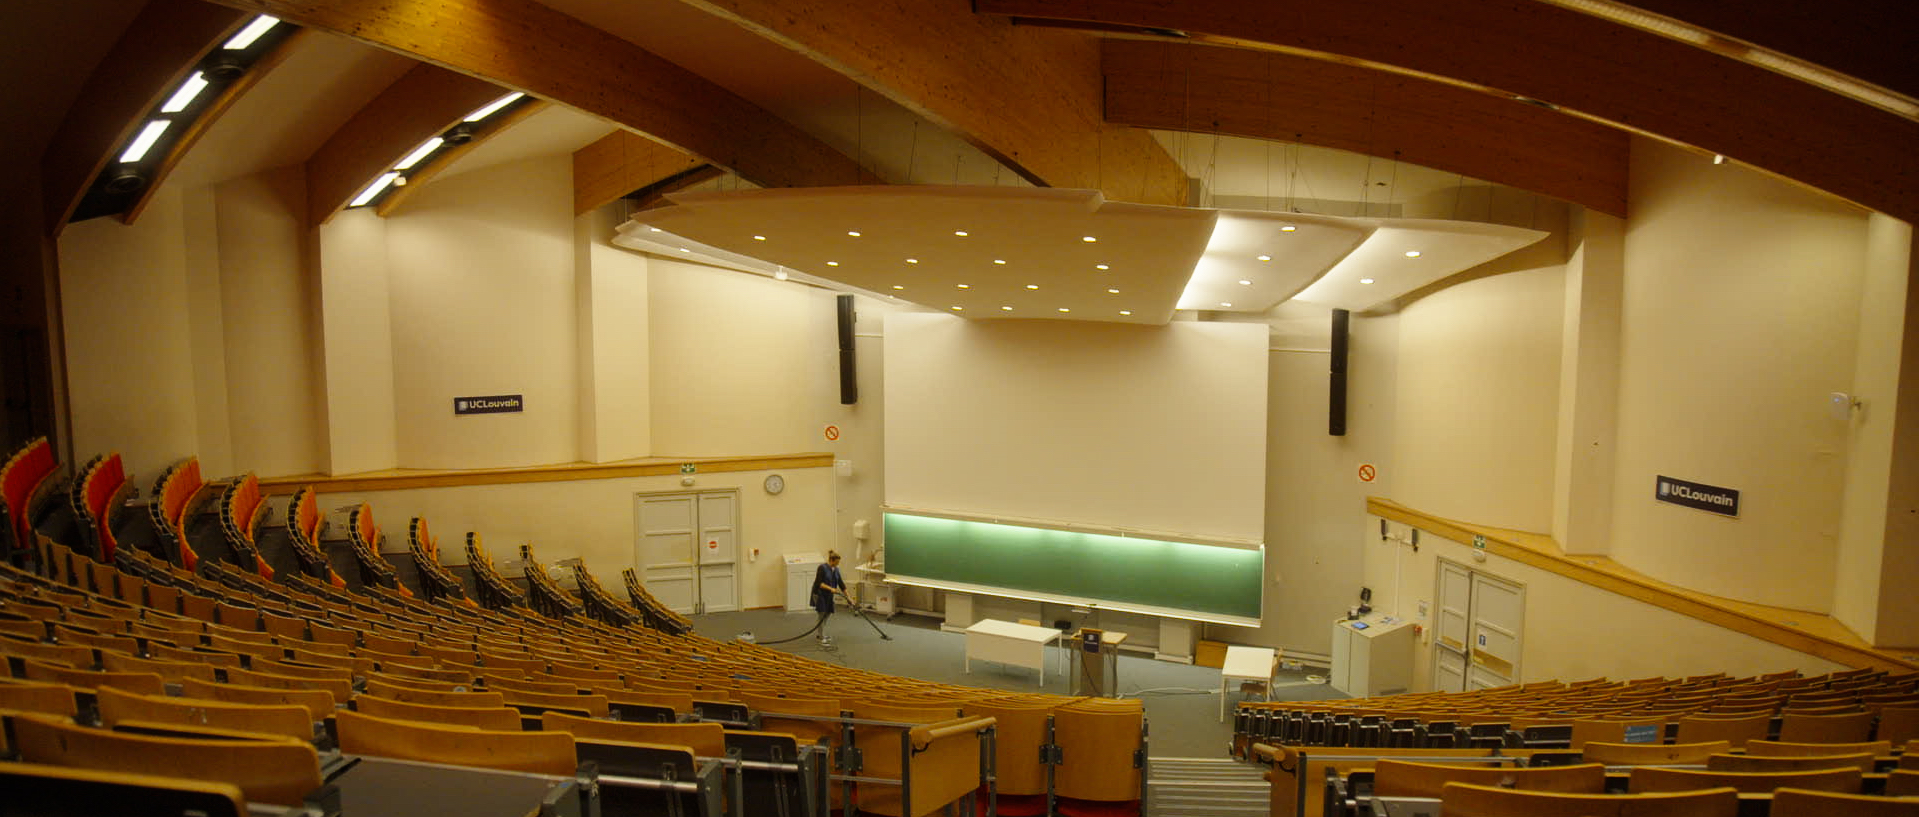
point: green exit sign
(688, 468)
(1479, 542)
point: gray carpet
(1182, 701)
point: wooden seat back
(318, 703)
(536, 752)
(1099, 741)
(498, 718)
(1735, 730)
(411, 694)
(1396, 778)
(287, 720)
(57, 791)
(28, 696)
(1774, 748)
(1020, 732)
(705, 739)
(1796, 802)
(267, 771)
(1655, 778)
(1759, 763)
(1653, 754)
(1467, 800)
(1845, 727)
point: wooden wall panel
(1267, 95)
(524, 45)
(1027, 97)
(620, 163)
(1584, 65)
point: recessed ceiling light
(1412, 253)
(1088, 239)
(1101, 266)
(897, 286)
(1365, 280)
(1005, 309)
(960, 233)
(912, 260)
(779, 275)
(1064, 309)
(656, 229)
(252, 32)
(144, 142)
(683, 249)
(493, 107)
(1265, 258)
(1718, 159)
(832, 263)
(755, 238)
(1245, 283)
(1112, 292)
(959, 309)
(426, 149)
(853, 233)
(1126, 312)
(1032, 286)
(184, 97)
(999, 260)
(964, 286)
(1225, 304)
(1288, 228)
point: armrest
(924, 736)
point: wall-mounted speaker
(1336, 388)
(849, 382)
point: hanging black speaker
(1336, 388)
(849, 382)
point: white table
(1006, 642)
(1246, 664)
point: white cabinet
(1372, 655)
(800, 568)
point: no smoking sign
(1367, 473)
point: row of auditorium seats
(1776, 744)
(243, 684)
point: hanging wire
(1392, 188)
(913, 152)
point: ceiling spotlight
(959, 309)
(1064, 309)
(1112, 292)
(960, 233)
(832, 263)
(964, 286)
(682, 249)
(1005, 309)
(1365, 280)
(1088, 239)
(1225, 304)
(1245, 283)
(656, 229)
(1288, 228)
(1032, 286)
(1126, 312)
(912, 260)
(1412, 253)
(1265, 258)
(1101, 266)
(999, 261)
(1718, 158)
(897, 286)
(779, 274)
(853, 233)
(755, 238)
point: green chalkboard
(1127, 572)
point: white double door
(1476, 636)
(688, 549)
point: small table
(1006, 642)
(1246, 664)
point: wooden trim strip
(1678, 600)
(652, 467)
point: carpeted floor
(1182, 701)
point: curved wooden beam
(1577, 63)
(166, 39)
(1268, 95)
(1870, 40)
(421, 104)
(1027, 97)
(620, 163)
(524, 45)
(445, 157)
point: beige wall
(273, 393)
(354, 272)
(1477, 400)
(1572, 630)
(1588, 438)
(1741, 312)
(615, 352)
(483, 303)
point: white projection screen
(1156, 429)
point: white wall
(354, 272)
(483, 303)
(615, 346)
(1741, 310)
(1477, 395)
